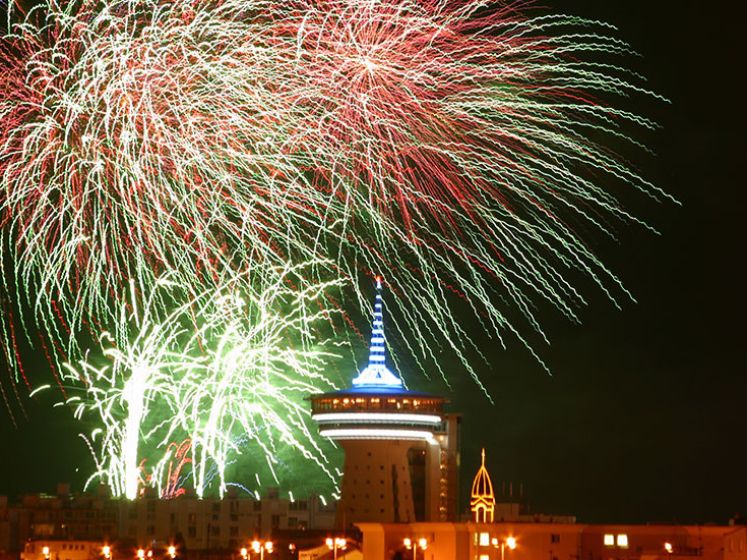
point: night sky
(644, 416)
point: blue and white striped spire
(376, 373)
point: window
(192, 532)
(484, 539)
(292, 522)
(609, 540)
(622, 540)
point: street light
(508, 542)
(338, 543)
(668, 547)
(45, 552)
(261, 547)
(171, 551)
(106, 551)
(244, 552)
(141, 553)
(421, 543)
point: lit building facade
(555, 541)
(541, 537)
(401, 448)
(69, 523)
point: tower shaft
(376, 484)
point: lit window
(484, 539)
(622, 541)
(609, 540)
(484, 557)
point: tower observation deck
(400, 447)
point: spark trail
(227, 372)
(463, 149)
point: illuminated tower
(482, 500)
(400, 448)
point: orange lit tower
(398, 444)
(482, 500)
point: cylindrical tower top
(377, 406)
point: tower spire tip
(377, 374)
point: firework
(460, 148)
(225, 375)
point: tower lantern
(482, 501)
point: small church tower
(482, 501)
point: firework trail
(460, 148)
(226, 372)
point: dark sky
(644, 416)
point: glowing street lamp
(668, 547)
(106, 551)
(45, 552)
(338, 543)
(508, 542)
(244, 552)
(421, 543)
(141, 553)
(260, 547)
(171, 551)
